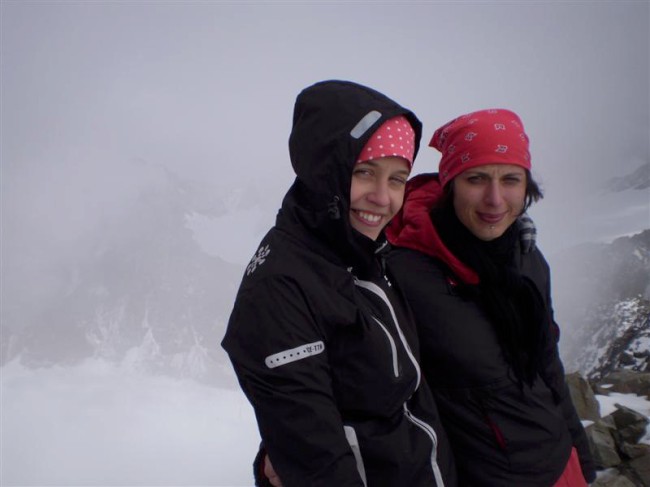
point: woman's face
(488, 199)
(377, 193)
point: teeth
(369, 217)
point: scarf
(512, 302)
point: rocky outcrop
(618, 441)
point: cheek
(397, 200)
(462, 204)
(356, 190)
(518, 200)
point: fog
(97, 424)
(104, 102)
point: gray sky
(92, 90)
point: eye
(475, 179)
(362, 172)
(398, 180)
(512, 180)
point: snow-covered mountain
(138, 291)
(151, 287)
(603, 295)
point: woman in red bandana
(482, 303)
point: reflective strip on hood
(365, 123)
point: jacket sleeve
(553, 375)
(279, 355)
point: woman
(482, 305)
(321, 342)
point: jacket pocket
(523, 422)
(351, 436)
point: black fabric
(511, 300)
(316, 291)
(258, 468)
(502, 432)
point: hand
(270, 473)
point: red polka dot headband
(394, 138)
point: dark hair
(533, 193)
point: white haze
(101, 100)
(98, 424)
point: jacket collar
(412, 228)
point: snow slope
(98, 424)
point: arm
(296, 413)
(554, 376)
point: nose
(493, 194)
(380, 196)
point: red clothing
(572, 475)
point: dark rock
(613, 478)
(634, 451)
(628, 382)
(638, 470)
(626, 359)
(602, 444)
(583, 397)
(630, 424)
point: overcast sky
(97, 96)
(207, 89)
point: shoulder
(534, 264)
(415, 270)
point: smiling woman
(377, 193)
(322, 343)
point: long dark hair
(511, 300)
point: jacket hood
(412, 227)
(332, 121)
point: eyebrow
(374, 164)
(484, 173)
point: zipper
(434, 439)
(351, 436)
(393, 348)
(371, 286)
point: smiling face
(488, 199)
(377, 193)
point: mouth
(491, 219)
(371, 219)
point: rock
(628, 381)
(640, 468)
(583, 397)
(626, 359)
(602, 445)
(630, 424)
(613, 480)
(633, 451)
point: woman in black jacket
(482, 304)
(321, 341)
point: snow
(638, 403)
(102, 425)
(99, 424)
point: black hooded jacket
(503, 433)
(322, 344)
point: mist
(144, 155)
